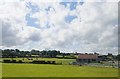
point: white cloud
(14, 29)
(94, 29)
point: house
(87, 58)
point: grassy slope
(43, 70)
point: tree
(12, 54)
(17, 50)
(118, 57)
(110, 56)
(63, 54)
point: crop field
(49, 70)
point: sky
(71, 26)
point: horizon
(67, 51)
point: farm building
(87, 58)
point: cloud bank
(65, 26)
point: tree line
(13, 53)
(16, 53)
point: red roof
(87, 56)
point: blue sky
(32, 21)
(34, 8)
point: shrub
(38, 62)
(6, 61)
(20, 61)
(43, 62)
(48, 62)
(13, 61)
(53, 62)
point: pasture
(63, 61)
(49, 70)
(0, 69)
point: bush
(38, 62)
(43, 62)
(101, 62)
(6, 61)
(53, 62)
(13, 61)
(20, 61)
(48, 62)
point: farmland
(63, 61)
(49, 70)
(0, 70)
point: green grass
(46, 70)
(0, 70)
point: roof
(87, 56)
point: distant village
(80, 57)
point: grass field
(63, 61)
(0, 70)
(45, 70)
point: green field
(0, 70)
(47, 70)
(63, 61)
